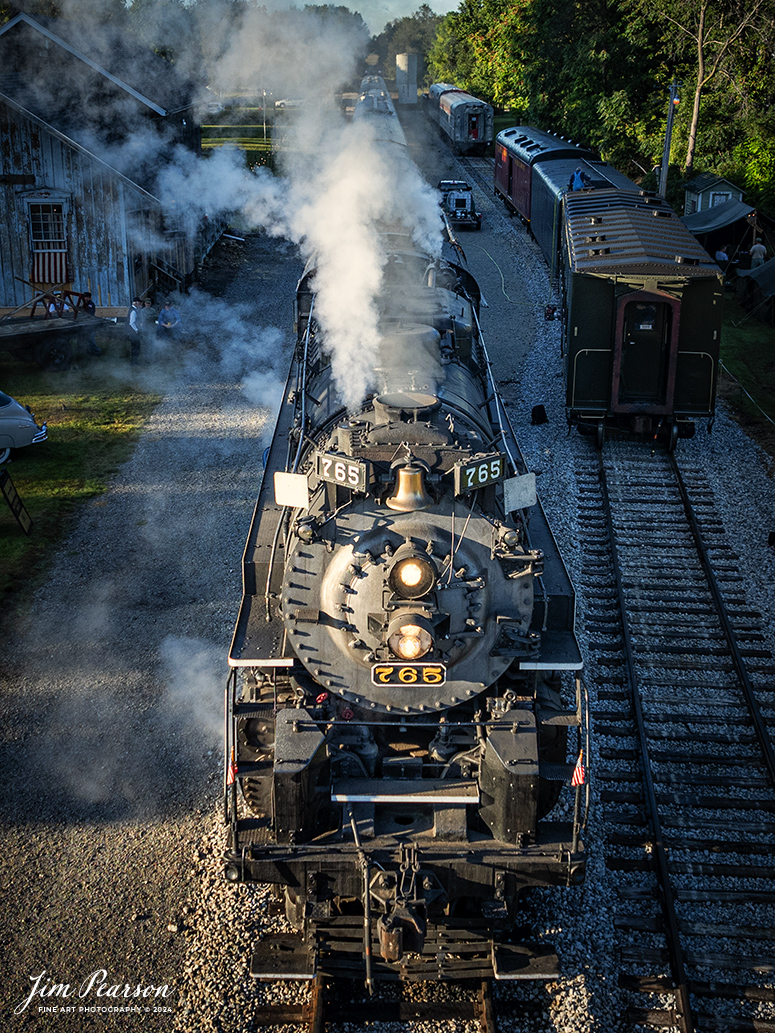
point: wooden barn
(86, 124)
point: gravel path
(113, 682)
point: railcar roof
(458, 97)
(600, 175)
(532, 145)
(613, 233)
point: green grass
(93, 422)
(748, 352)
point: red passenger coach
(517, 150)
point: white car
(17, 426)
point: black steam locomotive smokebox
(509, 777)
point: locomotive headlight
(409, 637)
(412, 577)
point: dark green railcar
(642, 324)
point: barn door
(645, 353)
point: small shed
(86, 124)
(756, 291)
(708, 190)
(732, 224)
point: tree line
(597, 71)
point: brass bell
(410, 494)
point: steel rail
(684, 1019)
(760, 727)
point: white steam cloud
(339, 182)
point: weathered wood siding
(103, 245)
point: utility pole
(674, 101)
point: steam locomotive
(640, 298)
(405, 683)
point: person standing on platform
(135, 340)
(90, 309)
(169, 320)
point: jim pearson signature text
(97, 984)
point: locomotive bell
(410, 494)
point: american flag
(49, 267)
(578, 772)
(231, 775)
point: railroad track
(686, 766)
(346, 1002)
(480, 171)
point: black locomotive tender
(639, 298)
(396, 718)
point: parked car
(457, 203)
(17, 426)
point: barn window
(48, 240)
(48, 227)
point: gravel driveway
(113, 681)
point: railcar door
(473, 128)
(645, 353)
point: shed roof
(708, 180)
(614, 233)
(763, 276)
(717, 217)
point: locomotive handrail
(493, 386)
(302, 387)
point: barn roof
(137, 71)
(717, 217)
(614, 233)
